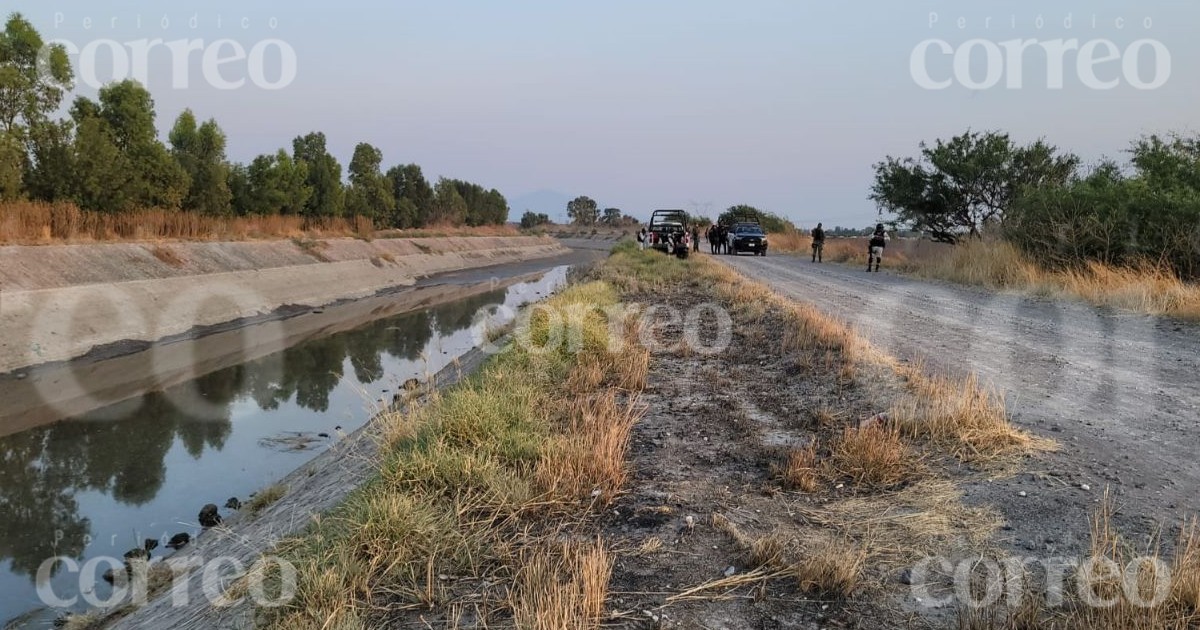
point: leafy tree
(484, 207)
(1170, 165)
(12, 166)
(201, 153)
(531, 220)
(370, 193)
(582, 211)
(239, 189)
(957, 187)
(495, 208)
(413, 194)
(128, 110)
(1151, 215)
(448, 205)
(323, 177)
(50, 176)
(30, 90)
(611, 216)
(104, 177)
(271, 184)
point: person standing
(875, 247)
(641, 238)
(818, 243)
(695, 238)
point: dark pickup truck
(747, 236)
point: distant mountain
(551, 202)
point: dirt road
(1120, 392)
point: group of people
(875, 246)
(718, 242)
(718, 238)
(690, 240)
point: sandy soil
(1119, 391)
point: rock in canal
(209, 516)
(178, 541)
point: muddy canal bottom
(146, 440)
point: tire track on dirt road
(1119, 391)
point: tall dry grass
(35, 223)
(1144, 288)
(40, 223)
(873, 457)
(562, 587)
(1121, 586)
(967, 419)
(487, 483)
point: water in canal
(100, 482)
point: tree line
(1040, 198)
(106, 156)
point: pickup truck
(667, 229)
(747, 236)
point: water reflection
(82, 486)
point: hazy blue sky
(782, 104)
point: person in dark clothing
(875, 247)
(723, 239)
(818, 242)
(711, 235)
(695, 239)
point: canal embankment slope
(60, 302)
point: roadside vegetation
(1029, 218)
(997, 264)
(104, 174)
(484, 497)
(37, 223)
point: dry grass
(833, 568)
(1145, 289)
(562, 588)
(802, 471)
(587, 459)
(441, 230)
(820, 564)
(1129, 610)
(487, 483)
(966, 418)
(265, 498)
(35, 223)
(1130, 588)
(88, 621)
(899, 528)
(168, 256)
(873, 457)
(40, 223)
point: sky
(698, 104)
